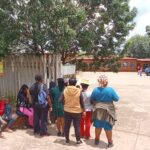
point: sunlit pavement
(131, 132)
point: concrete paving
(131, 132)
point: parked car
(147, 71)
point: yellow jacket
(72, 100)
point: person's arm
(92, 98)
(115, 97)
(31, 90)
(48, 97)
(61, 99)
(29, 97)
(82, 102)
(49, 101)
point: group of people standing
(69, 103)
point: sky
(143, 16)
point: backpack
(42, 97)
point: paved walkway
(131, 132)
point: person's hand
(50, 109)
(84, 114)
(28, 92)
(116, 108)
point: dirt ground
(131, 132)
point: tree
(97, 27)
(8, 32)
(138, 46)
(108, 23)
(42, 25)
(148, 30)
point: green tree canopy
(97, 27)
(41, 25)
(138, 46)
(148, 30)
(108, 23)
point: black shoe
(110, 144)
(36, 133)
(79, 142)
(67, 141)
(45, 134)
(29, 127)
(62, 134)
(96, 142)
(59, 134)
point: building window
(125, 64)
(132, 65)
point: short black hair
(38, 78)
(61, 83)
(84, 86)
(52, 84)
(78, 86)
(72, 81)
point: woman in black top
(24, 103)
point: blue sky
(143, 16)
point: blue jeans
(7, 116)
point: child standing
(85, 123)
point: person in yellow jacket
(73, 108)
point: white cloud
(143, 16)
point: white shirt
(86, 99)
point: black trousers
(75, 117)
(40, 120)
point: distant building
(128, 64)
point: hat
(84, 81)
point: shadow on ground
(51, 130)
(62, 142)
(90, 142)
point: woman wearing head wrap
(103, 109)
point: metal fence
(21, 69)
